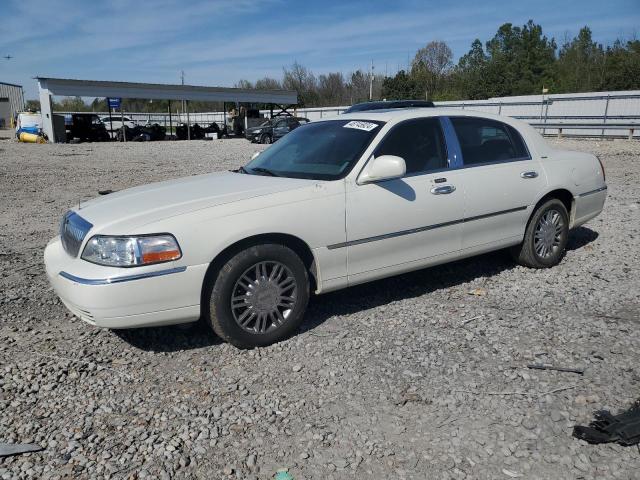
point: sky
(218, 42)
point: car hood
(135, 207)
(253, 129)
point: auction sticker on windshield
(366, 126)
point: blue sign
(114, 103)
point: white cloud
(220, 41)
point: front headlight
(131, 251)
(257, 131)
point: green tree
(431, 66)
(267, 83)
(358, 87)
(580, 65)
(245, 84)
(302, 80)
(622, 66)
(470, 73)
(401, 87)
(71, 104)
(332, 89)
(33, 105)
(520, 60)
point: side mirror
(384, 167)
(255, 155)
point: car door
(293, 124)
(280, 129)
(400, 224)
(500, 178)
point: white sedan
(115, 123)
(335, 203)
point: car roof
(384, 104)
(397, 115)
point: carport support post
(124, 132)
(188, 122)
(170, 123)
(46, 110)
(110, 120)
(606, 110)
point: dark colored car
(147, 133)
(197, 132)
(386, 104)
(85, 127)
(274, 129)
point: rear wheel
(545, 239)
(259, 296)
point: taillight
(604, 175)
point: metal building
(11, 101)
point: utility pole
(371, 82)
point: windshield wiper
(240, 170)
(265, 171)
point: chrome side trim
(494, 214)
(591, 192)
(422, 229)
(126, 278)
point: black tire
(265, 139)
(220, 288)
(528, 252)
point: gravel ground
(419, 376)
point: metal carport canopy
(156, 91)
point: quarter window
(484, 141)
(419, 142)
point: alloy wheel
(547, 236)
(263, 297)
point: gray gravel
(419, 376)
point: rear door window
(484, 140)
(419, 142)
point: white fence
(574, 114)
(601, 114)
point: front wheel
(265, 139)
(259, 296)
(545, 239)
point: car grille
(73, 229)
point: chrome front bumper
(118, 298)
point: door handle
(531, 174)
(443, 190)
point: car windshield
(271, 121)
(319, 151)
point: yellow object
(31, 138)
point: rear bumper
(157, 295)
(589, 205)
